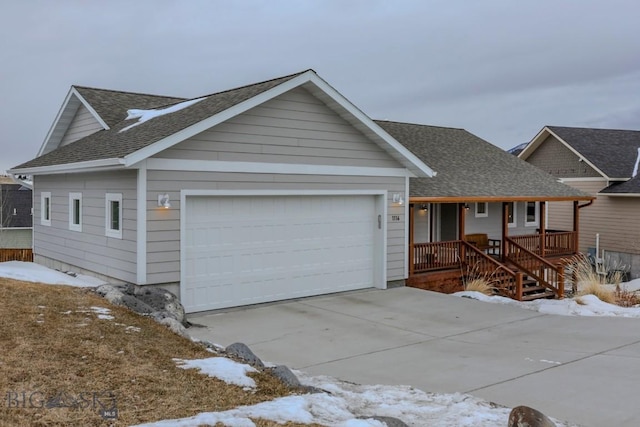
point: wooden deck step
(546, 294)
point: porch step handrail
(511, 285)
(529, 262)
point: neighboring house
(15, 215)
(604, 163)
(484, 195)
(270, 191)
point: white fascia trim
(62, 109)
(72, 93)
(225, 115)
(619, 194)
(141, 219)
(216, 119)
(580, 156)
(364, 119)
(16, 228)
(586, 179)
(187, 192)
(273, 168)
(90, 108)
(534, 142)
(88, 166)
(406, 228)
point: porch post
(462, 216)
(543, 229)
(576, 226)
(505, 228)
(411, 254)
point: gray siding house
(270, 191)
(603, 163)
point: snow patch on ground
(31, 272)
(225, 369)
(586, 305)
(352, 405)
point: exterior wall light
(397, 198)
(163, 201)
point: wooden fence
(16, 255)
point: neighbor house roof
(612, 152)
(120, 144)
(471, 168)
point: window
(113, 215)
(75, 211)
(531, 219)
(45, 208)
(511, 215)
(482, 210)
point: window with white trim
(75, 211)
(531, 217)
(113, 215)
(511, 214)
(482, 210)
(45, 208)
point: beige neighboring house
(604, 163)
(270, 191)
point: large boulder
(244, 353)
(524, 416)
(146, 300)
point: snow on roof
(635, 167)
(145, 115)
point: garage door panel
(245, 250)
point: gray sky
(501, 69)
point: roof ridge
(418, 124)
(128, 92)
(289, 76)
(592, 128)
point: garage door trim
(380, 258)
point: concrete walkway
(585, 370)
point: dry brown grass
(589, 282)
(602, 292)
(479, 284)
(53, 343)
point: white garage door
(251, 249)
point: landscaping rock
(389, 421)
(163, 306)
(243, 352)
(160, 299)
(172, 324)
(285, 375)
(524, 416)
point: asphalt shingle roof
(612, 151)
(112, 105)
(108, 144)
(627, 187)
(468, 166)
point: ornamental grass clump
(603, 282)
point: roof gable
(469, 166)
(611, 152)
(116, 146)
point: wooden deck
(527, 267)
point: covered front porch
(505, 241)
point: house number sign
(395, 217)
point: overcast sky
(502, 69)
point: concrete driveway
(580, 369)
